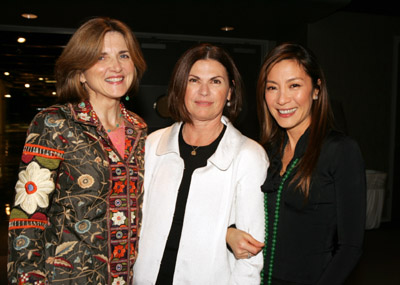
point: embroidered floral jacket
(77, 205)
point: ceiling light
(6, 73)
(7, 96)
(29, 16)
(27, 85)
(21, 40)
(53, 93)
(227, 28)
(40, 78)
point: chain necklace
(193, 152)
(275, 225)
(194, 148)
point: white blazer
(225, 191)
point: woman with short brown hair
(77, 210)
(201, 176)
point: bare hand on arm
(243, 244)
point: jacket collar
(84, 113)
(223, 156)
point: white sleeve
(249, 209)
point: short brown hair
(180, 75)
(83, 51)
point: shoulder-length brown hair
(271, 134)
(83, 51)
(180, 75)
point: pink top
(117, 137)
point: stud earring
(315, 97)
(228, 104)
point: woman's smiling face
(289, 94)
(112, 75)
(207, 90)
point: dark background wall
(359, 54)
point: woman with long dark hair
(315, 189)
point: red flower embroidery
(118, 187)
(119, 251)
(132, 249)
(128, 144)
(132, 187)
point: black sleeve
(350, 191)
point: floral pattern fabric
(77, 207)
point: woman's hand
(243, 244)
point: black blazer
(319, 240)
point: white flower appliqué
(118, 281)
(113, 156)
(33, 187)
(118, 218)
(84, 116)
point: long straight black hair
(271, 134)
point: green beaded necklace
(116, 125)
(275, 227)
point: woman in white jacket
(201, 175)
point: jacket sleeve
(249, 209)
(350, 190)
(34, 188)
